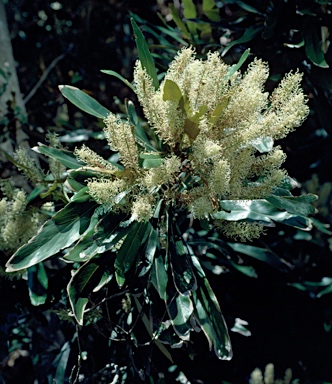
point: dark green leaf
(83, 101)
(144, 54)
(237, 66)
(58, 233)
(261, 254)
(65, 157)
(38, 284)
(246, 270)
(84, 282)
(298, 205)
(35, 193)
(130, 248)
(180, 310)
(62, 361)
(81, 196)
(313, 46)
(248, 35)
(150, 250)
(208, 313)
(160, 277)
(115, 74)
(179, 22)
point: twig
(45, 74)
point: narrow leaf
(248, 35)
(144, 54)
(313, 46)
(84, 282)
(83, 101)
(64, 157)
(38, 284)
(60, 232)
(115, 74)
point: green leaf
(313, 46)
(179, 22)
(84, 282)
(150, 250)
(237, 66)
(58, 233)
(248, 35)
(210, 10)
(130, 248)
(261, 254)
(38, 284)
(115, 74)
(171, 91)
(146, 322)
(138, 129)
(35, 193)
(246, 270)
(184, 278)
(61, 360)
(189, 12)
(180, 310)
(260, 211)
(298, 205)
(160, 277)
(83, 101)
(81, 196)
(208, 313)
(144, 54)
(64, 157)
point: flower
(210, 122)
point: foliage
(125, 258)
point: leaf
(150, 251)
(248, 35)
(60, 232)
(180, 310)
(246, 270)
(260, 211)
(115, 74)
(261, 254)
(62, 361)
(263, 144)
(130, 248)
(84, 282)
(189, 12)
(138, 129)
(210, 10)
(179, 22)
(144, 54)
(146, 322)
(184, 278)
(83, 101)
(171, 91)
(313, 46)
(160, 277)
(298, 205)
(237, 66)
(81, 196)
(38, 284)
(64, 157)
(208, 313)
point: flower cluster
(211, 122)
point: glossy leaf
(64, 157)
(115, 74)
(180, 310)
(38, 284)
(150, 251)
(298, 205)
(83, 101)
(160, 277)
(261, 254)
(81, 196)
(209, 316)
(313, 46)
(58, 233)
(84, 282)
(144, 54)
(128, 252)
